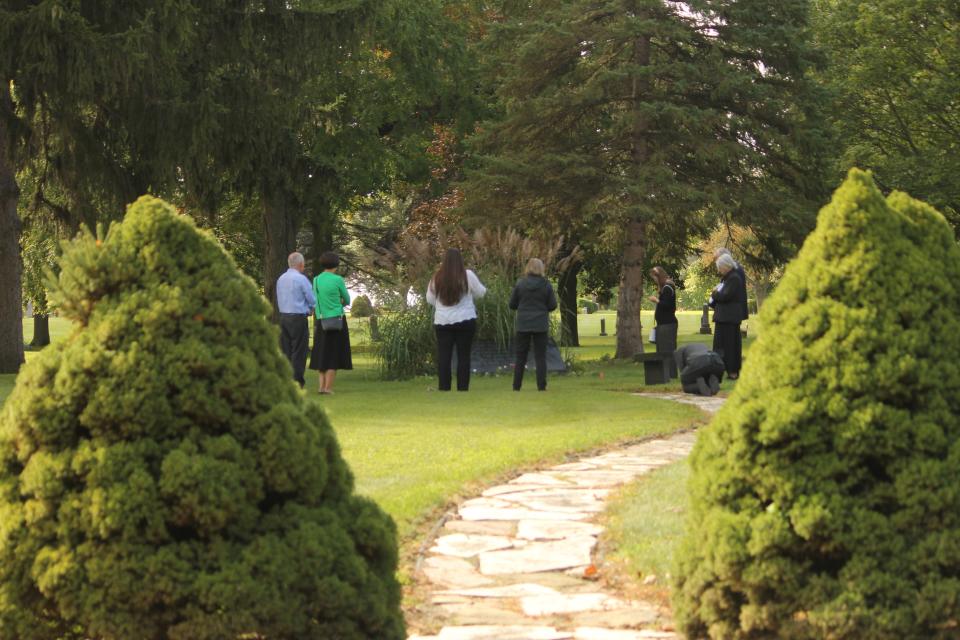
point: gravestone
(487, 356)
(705, 321)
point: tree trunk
(321, 225)
(629, 335)
(11, 322)
(41, 330)
(280, 223)
(629, 330)
(567, 284)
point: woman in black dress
(727, 303)
(665, 315)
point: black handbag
(332, 324)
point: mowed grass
(645, 523)
(412, 449)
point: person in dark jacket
(700, 369)
(728, 308)
(719, 251)
(665, 315)
(533, 299)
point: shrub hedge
(161, 476)
(825, 496)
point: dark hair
(661, 276)
(450, 280)
(329, 260)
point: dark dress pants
(459, 335)
(294, 338)
(539, 339)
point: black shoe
(714, 383)
(702, 388)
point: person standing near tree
(728, 309)
(452, 292)
(719, 251)
(295, 301)
(533, 299)
(331, 335)
(665, 315)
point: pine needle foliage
(634, 123)
(160, 475)
(825, 499)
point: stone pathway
(515, 563)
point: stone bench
(658, 368)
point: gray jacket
(533, 300)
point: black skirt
(331, 349)
(729, 344)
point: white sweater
(464, 309)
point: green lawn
(412, 448)
(645, 523)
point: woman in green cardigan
(331, 343)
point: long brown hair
(661, 277)
(450, 280)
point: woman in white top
(452, 291)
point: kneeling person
(701, 370)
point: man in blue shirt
(295, 300)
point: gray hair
(295, 259)
(720, 251)
(726, 261)
(535, 267)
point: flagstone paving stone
(539, 556)
(562, 500)
(598, 633)
(462, 545)
(520, 555)
(545, 605)
(481, 527)
(509, 591)
(492, 632)
(538, 479)
(555, 529)
(518, 513)
(453, 573)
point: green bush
(361, 307)
(162, 477)
(407, 346)
(825, 500)
(589, 305)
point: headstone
(603, 326)
(374, 329)
(486, 356)
(656, 367)
(705, 321)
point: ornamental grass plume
(161, 477)
(825, 496)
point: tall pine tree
(638, 117)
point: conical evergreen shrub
(161, 476)
(825, 496)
